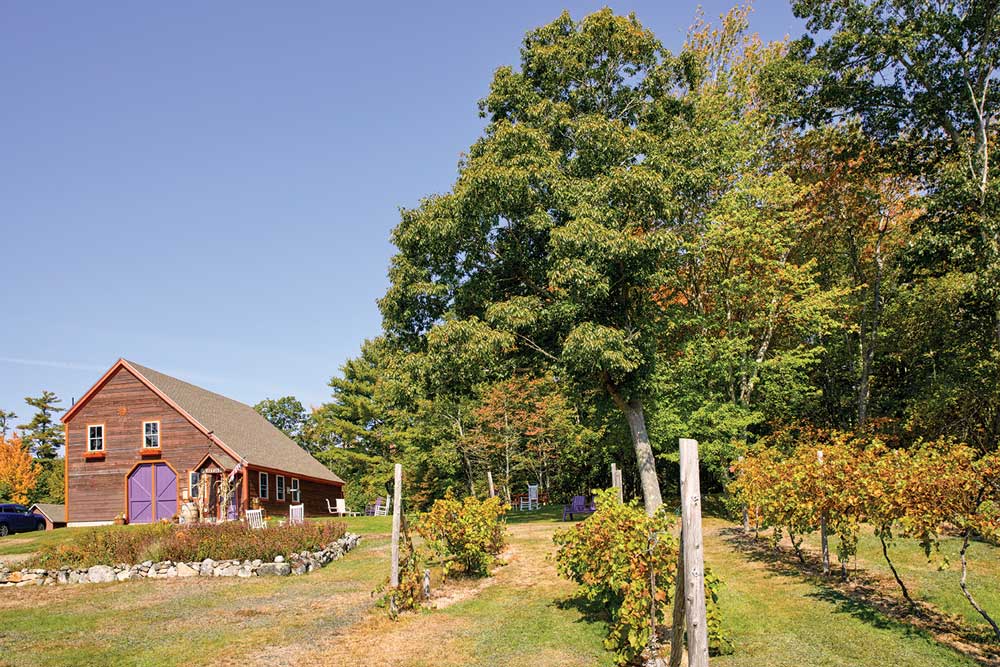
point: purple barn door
(166, 491)
(140, 495)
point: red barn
(139, 443)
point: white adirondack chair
(296, 514)
(531, 502)
(383, 510)
(255, 519)
(342, 508)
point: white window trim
(192, 485)
(279, 488)
(294, 489)
(157, 422)
(90, 426)
(263, 485)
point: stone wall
(297, 563)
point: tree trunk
(824, 545)
(902, 586)
(644, 456)
(965, 588)
(645, 460)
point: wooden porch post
(245, 500)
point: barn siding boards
(313, 493)
(97, 486)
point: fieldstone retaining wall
(297, 563)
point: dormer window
(151, 435)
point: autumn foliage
(18, 470)
(805, 475)
(467, 534)
(626, 564)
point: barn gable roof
(236, 426)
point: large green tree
(605, 166)
(555, 230)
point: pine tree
(42, 434)
(6, 416)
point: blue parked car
(19, 519)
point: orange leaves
(18, 470)
(915, 490)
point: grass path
(522, 615)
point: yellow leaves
(18, 470)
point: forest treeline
(714, 243)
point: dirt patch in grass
(865, 591)
(414, 641)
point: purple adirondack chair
(578, 505)
(377, 509)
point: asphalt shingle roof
(56, 513)
(239, 426)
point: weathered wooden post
(397, 511)
(489, 478)
(616, 482)
(693, 555)
(427, 585)
(823, 539)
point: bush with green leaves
(465, 534)
(626, 563)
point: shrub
(231, 541)
(467, 533)
(611, 556)
(227, 541)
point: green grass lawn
(525, 614)
(934, 581)
(775, 616)
(23, 543)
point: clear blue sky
(208, 188)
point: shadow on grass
(589, 611)
(869, 597)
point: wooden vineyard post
(616, 482)
(693, 555)
(397, 497)
(823, 538)
(489, 478)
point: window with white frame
(95, 438)
(264, 491)
(194, 481)
(293, 489)
(279, 487)
(151, 435)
